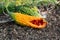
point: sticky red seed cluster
(37, 22)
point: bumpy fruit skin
(29, 20)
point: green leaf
(1, 6)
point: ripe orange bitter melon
(31, 21)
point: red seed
(37, 22)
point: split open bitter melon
(31, 21)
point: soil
(12, 31)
